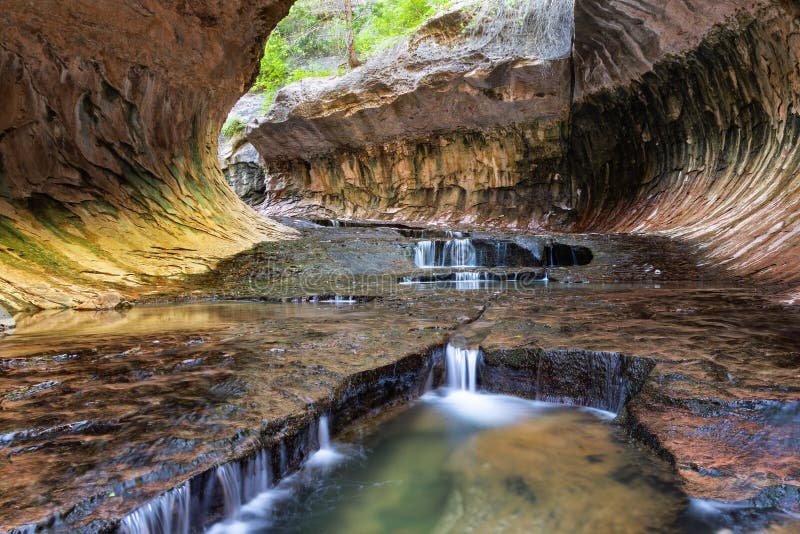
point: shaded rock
(240, 162)
(686, 122)
(243, 169)
(427, 129)
(7, 322)
(679, 119)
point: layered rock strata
(680, 119)
(109, 113)
(706, 134)
(452, 124)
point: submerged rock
(104, 301)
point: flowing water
(461, 461)
(458, 252)
(129, 404)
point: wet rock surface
(680, 119)
(722, 398)
(366, 258)
(122, 405)
(126, 404)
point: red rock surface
(682, 120)
(109, 113)
(721, 401)
(686, 123)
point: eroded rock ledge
(109, 113)
(679, 119)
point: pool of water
(457, 461)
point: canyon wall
(109, 114)
(454, 124)
(678, 119)
(686, 122)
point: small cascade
(326, 455)
(462, 368)
(257, 475)
(340, 299)
(239, 482)
(324, 433)
(456, 252)
(425, 254)
(229, 477)
(171, 512)
(461, 253)
(234, 483)
(501, 253)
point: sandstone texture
(109, 113)
(705, 132)
(452, 123)
(679, 118)
(719, 395)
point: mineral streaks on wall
(109, 113)
(696, 138)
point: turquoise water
(457, 461)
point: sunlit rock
(109, 113)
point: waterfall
(425, 254)
(461, 253)
(238, 482)
(257, 475)
(458, 252)
(324, 434)
(326, 455)
(167, 513)
(229, 477)
(501, 253)
(340, 299)
(462, 368)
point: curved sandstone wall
(109, 113)
(679, 118)
(696, 138)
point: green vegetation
(312, 40)
(233, 126)
(380, 24)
